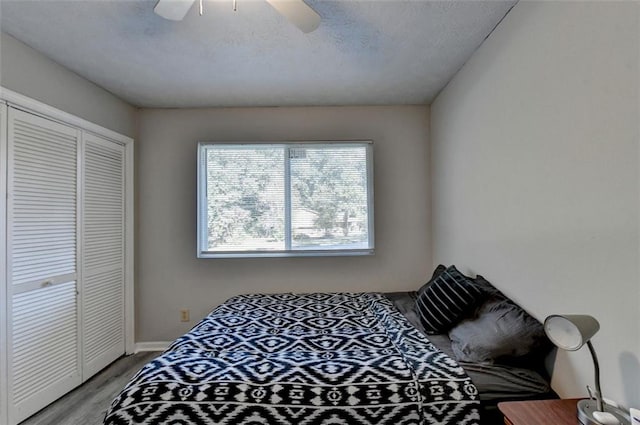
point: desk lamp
(571, 332)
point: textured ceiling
(366, 52)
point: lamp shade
(570, 332)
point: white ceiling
(365, 52)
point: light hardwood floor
(87, 404)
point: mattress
(324, 358)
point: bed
(318, 358)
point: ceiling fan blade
(174, 10)
(298, 13)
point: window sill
(276, 254)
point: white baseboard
(152, 346)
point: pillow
(491, 291)
(501, 332)
(435, 274)
(450, 297)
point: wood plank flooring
(87, 404)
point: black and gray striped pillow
(450, 297)
(435, 274)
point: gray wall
(28, 72)
(170, 277)
(535, 176)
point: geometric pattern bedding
(320, 358)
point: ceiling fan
(296, 11)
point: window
(286, 199)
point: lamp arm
(596, 367)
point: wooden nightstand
(540, 412)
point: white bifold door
(42, 236)
(102, 254)
(65, 259)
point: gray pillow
(488, 288)
(500, 332)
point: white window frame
(202, 230)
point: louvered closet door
(42, 212)
(103, 254)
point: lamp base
(588, 406)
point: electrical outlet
(184, 315)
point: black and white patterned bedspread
(325, 358)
